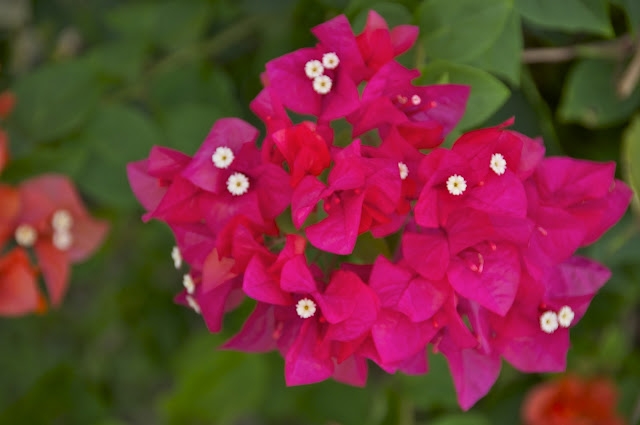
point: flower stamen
(61, 220)
(193, 304)
(322, 84)
(404, 170)
(456, 185)
(549, 322)
(305, 308)
(222, 157)
(330, 60)
(313, 69)
(62, 239)
(498, 164)
(188, 283)
(26, 235)
(566, 316)
(176, 256)
(237, 184)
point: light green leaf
(461, 30)
(119, 59)
(568, 15)
(54, 100)
(590, 97)
(631, 153)
(214, 386)
(168, 23)
(503, 56)
(487, 92)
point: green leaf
(503, 56)
(461, 30)
(632, 10)
(214, 386)
(54, 100)
(631, 153)
(395, 14)
(461, 419)
(116, 135)
(118, 59)
(568, 15)
(170, 24)
(487, 92)
(431, 392)
(590, 98)
(186, 125)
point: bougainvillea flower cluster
(44, 228)
(477, 242)
(572, 400)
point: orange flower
(7, 100)
(19, 293)
(572, 400)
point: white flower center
(26, 235)
(313, 69)
(62, 239)
(176, 256)
(237, 184)
(222, 157)
(322, 84)
(498, 164)
(565, 316)
(61, 220)
(306, 308)
(330, 60)
(193, 304)
(549, 322)
(187, 282)
(404, 170)
(416, 100)
(456, 185)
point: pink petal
(54, 264)
(427, 253)
(338, 232)
(302, 363)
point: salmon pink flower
(19, 292)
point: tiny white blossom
(456, 185)
(176, 256)
(565, 316)
(330, 60)
(187, 282)
(26, 235)
(404, 170)
(222, 157)
(549, 322)
(237, 184)
(498, 164)
(62, 239)
(61, 220)
(416, 100)
(313, 69)
(306, 308)
(193, 304)
(322, 84)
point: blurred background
(98, 82)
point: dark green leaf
(461, 30)
(120, 59)
(487, 92)
(461, 419)
(214, 386)
(434, 391)
(503, 56)
(54, 100)
(590, 95)
(186, 125)
(568, 15)
(395, 14)
(168, 23)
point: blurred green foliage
(98, 83)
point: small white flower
(456, 185)
(176, 256)
(61, 220)
(498, 164)
(62, 239)
(222, 157)
(322, 84)
(404, 170)
(26, 235)
(549, 322)
(306, 308)
(330, 60)
(416, 100)
(187, 282)
(193, 304)
(565, 316)
(313, 69)
(237, 184)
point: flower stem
(612, 49)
